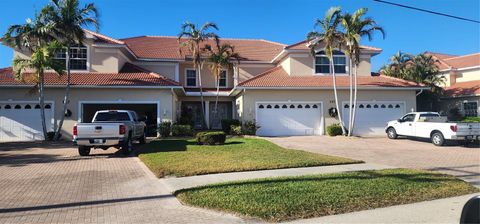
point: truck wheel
(438, 139)
(143, 139)
(127, 147)
(392, 133)
(83, 150)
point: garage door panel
(289, 119)
(372, 116)
(21, 121)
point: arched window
(369, 106)
(18, 107)
(383, 106)
(390, 106)
(37, 106)
(284, 106)
(397, 106)
(299, 106)
(307, 106)
(361, 106)
(276, 107)
(48, 106)
(346, 106)
(28, 106)
(261, 106)
(269, 106)
(8, 107)
(315, 106)
(292, 106)
(375, 106)
(322, 63)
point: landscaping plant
(334, 130)
(211, 138)
(165, 128)
(228, 123)
(179, 130)
(236, 129)
(250, 128)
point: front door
(192, 113)
(223, 111)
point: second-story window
(191, 77)
(78, 57)
(322, 63)
(222, 82)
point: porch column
(207, 113)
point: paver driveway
(54, 185)
(460, 161)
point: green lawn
(471, 119)
(183, 157)
(280, 199)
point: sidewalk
(173, 184)
(447, 210)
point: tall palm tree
(220, 58)
(331, 38)
(33, 69)
(355, 28)
(67, 20)
(398, 63)
(194, 39)
(33, 37)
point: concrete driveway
(51, 184)
(457, 160)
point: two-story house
(462, 82)
(285, 89)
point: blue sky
(281, 20)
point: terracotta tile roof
(167, 47)
(446, 61)
(463, 89)
(94, 79)
(103, 39)
(302, 45)
(278, 77)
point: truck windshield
(112, 116)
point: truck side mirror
(400, 120)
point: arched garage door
(372, 116)
(289, 118)
(21, 121)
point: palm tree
(67, 20)
(33, 69)
(355, 28)
(397, 65)
(332, 38)
(223, 57)
(194, 38)
(33, 37)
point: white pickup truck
(110, 128)
(432, 126)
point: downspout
(174, 108)
(421, 91)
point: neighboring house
(462, 86)
(284, 88)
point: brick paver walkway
(462, 162)
(54, 185)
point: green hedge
(165, 128)
(250, 128)
(211, 138)
(182, 130)
(334, 130)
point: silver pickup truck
(110, 128)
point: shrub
(182, 130)
(454, 114)
(236, 130)
(250, 128)
(334, 130)
(50, 136)
(165, 128)
(227, 123)
(211, 138)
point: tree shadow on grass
(363, 175)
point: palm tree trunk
(216, 99)
(67, 96)
(41, 100)
(199, 67)
(350, 108)
(354, 97)
(336, 97)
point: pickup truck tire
(392, 133)
(143, 139)
(83, 150)
(127, 147)
(437, 139)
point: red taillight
(453, 128)
(75, 131)
(121, 131)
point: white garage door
(20, 121)
(289, 118)
(372, 116)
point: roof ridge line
(224, 38)
(103, 36)
(467, 55)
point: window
(408, 118)
(425, 116)
(322, 63)
(223, 79)
(78, 57)
(470, 109)
(191, 77)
